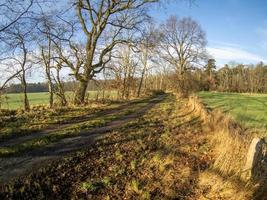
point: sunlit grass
(249, 109)
(71, 131)
(15, 101)
(18, 123)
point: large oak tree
(103, 23)
(182, 45)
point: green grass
(248, 109)
(15, 101)
(72, 130)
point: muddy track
(62, 125)
(12, 167)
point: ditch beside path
(14, 166)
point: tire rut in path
(12, 167)
(56, 127)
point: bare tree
(59, 85)
(58, 50)
(16, 27)
(182, 45)
(12, 11)
(146, 47)
(21, 59)
(162, 71)
(98, 18)
(46, 53)
(123, 69)
(70, 54)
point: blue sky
(236, 29)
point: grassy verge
(17, 123)
(229, 142)
(71, 131)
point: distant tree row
(31, 87)
(43, 87)
(233, 78)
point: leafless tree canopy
(11, 12)
(183, 43)
(87, 39)
(104, 23)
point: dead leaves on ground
(149, 159)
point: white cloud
(233, 53)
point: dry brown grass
(218, 187)
(227, 177)
(230, 140)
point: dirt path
(167, 153)
(62, 125)
(12, 167)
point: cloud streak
(231, 53)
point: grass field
(248, 109)
(15, 101)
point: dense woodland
(241, 78)
(231, 78)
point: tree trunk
(61, 90)
(0, 101)
(124, 88)
(25, 96)
(51, 95)
(50, 90)
(47, 61)
(23, 77)
(80, 93)
(141, 82)
(161, 81)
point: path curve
(12, 167)
(58, 126)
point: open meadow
(247, 109)
(15, 100)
